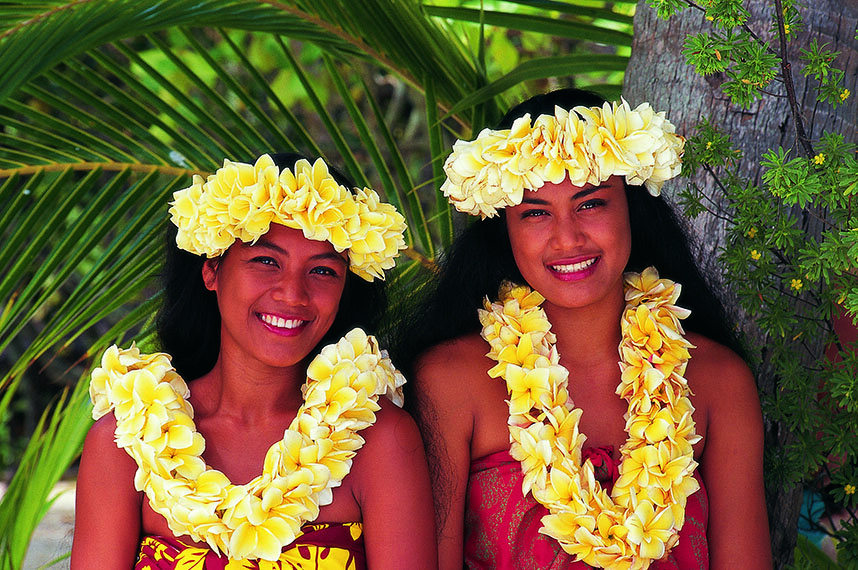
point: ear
(209, 272)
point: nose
(292, 290)
(567, 234)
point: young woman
(278, 453)
(544, 452)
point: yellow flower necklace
(154, 424)
(640, 520)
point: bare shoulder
(100, 447)
(394, 432)
(445, 370)
(725, 392)
(103, 463)
(714, 368)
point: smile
(280, 322)
(574, 267)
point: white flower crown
(240, 201)
(587, 144)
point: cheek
(624, 230)
(328, 302)
(525, 247)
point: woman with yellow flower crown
(575, 413)
(285, 448)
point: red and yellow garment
(320, 546)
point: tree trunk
(658, 73)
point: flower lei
(640, 521)
(240, 201)
(589, 144)
(154, 424)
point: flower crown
(589, 144)
(240, 201)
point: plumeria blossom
(585, 144)
(154, 424)
(241, 201)
(641, 518)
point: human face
(277, 297)
(572, 243)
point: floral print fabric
(321, 546)
(502, 525)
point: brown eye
(590, 204)
(324, 270)
(264, 260)
(533, 213)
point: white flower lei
(154, 424)
(640, 521)
(241, 201)
(587, 144)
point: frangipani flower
(241, 201)
(640, 520)
(650, 529)
(587, 144)
(154, 423)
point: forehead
(291, 241)
(566, 190)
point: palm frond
(548, 25)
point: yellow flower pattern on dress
(154, 424)
(337, 546)
(587, 144)
(241, 201)
(640, 521)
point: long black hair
(481, 257)
(188, 321)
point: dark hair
(481, 257)
(188, 321)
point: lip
(281, 324)
(573, 268)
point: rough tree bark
(658, 73)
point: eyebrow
(577, 195)
(328, 255)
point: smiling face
(572, 243)
(277, 297)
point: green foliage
(809, 557)
(727, 14)
(791, 255)
(818, 65)
(847, 544)
(667, 8)
(749, 65)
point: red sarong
(502, 525)
(325, 546)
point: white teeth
(574, 267)
(282, 323)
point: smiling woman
(277, 297)
(278, 449)
(575, 413)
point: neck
(252, 393)
(588, 336)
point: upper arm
(732, 460)
(107, 507)
(445, 416)
(395, 494)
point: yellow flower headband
(240, 201)
(589, 144)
